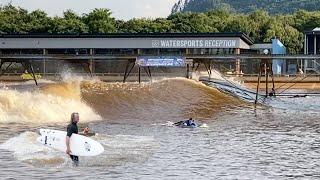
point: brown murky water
(239, 141)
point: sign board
(292, 69)
(161, 61)
(195, 43)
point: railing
(131, 56)
(316, 66)
(284, 75)
(153, 74)
(99, 74)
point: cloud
(122, 9)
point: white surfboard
(79, 145)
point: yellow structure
(29, 76)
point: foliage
(246, 6)
(259, 25)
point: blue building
(279, 66)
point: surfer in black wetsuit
(188, 123)
(72, 128)
(86, 132)
(272, 93)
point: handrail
(212, 57)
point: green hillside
(246, 6)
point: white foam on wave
(119, 150)
(37, 107)
(25, 148)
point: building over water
(109, 53)
(312, 47)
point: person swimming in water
(272, 92)
(187, 123)
(86, 132)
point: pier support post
(45, 52)
(188, 71)
(148, 71)
(34, 76)
(91, 62)
(127, 73)
(258, 86)
(272, 77)
(150, 76)
(266, 70)
(28, 66)
(238, 62)
(139, 69)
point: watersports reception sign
(161, 61)
(195, 43)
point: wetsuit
(73, 128)
(178, 123)
(88, 134)
(187, 123)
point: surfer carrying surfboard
(72, 129)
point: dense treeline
(247, 6)
(258, 25)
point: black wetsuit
(73, 128)
(178, 123)
(187, 123)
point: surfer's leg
(75, 159)
(178, 123)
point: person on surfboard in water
(72, 129)
(188, 123)
(86, 132)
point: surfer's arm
(69, 133)
(68, 144)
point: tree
(258, 24)
(290, 37)
(191, 23)
(38, 22)
(304, 20)
(70, 23)
(239, 24)
(219, 18)
(259, 21)
(159, 25)
(246, 6)
(13, 19)
(100, 21)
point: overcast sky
(122, 9)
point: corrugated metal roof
(243, 36)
